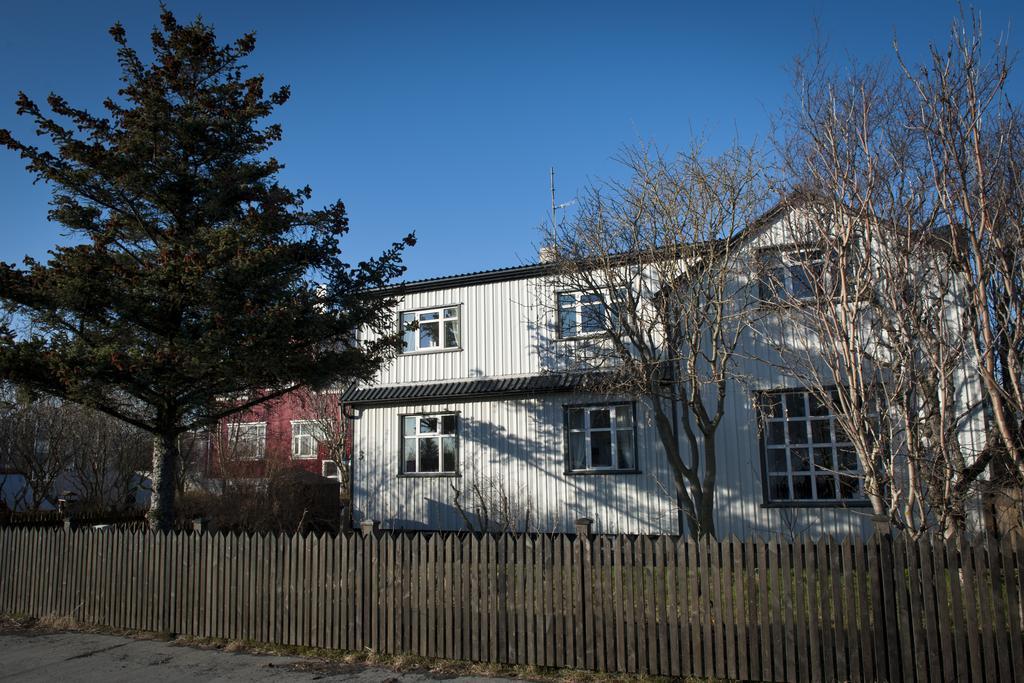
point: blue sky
(444, 117)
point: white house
(479, 406)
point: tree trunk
(165, 464)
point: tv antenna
(554, 206)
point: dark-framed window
(807, 459)
(600, 438)
(431, 329)
(430, 444)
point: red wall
(278, 413)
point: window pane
(623, 417)
(576, 419)
(840, 433)
(797, 431)
(577, 451)
(847, 457)
(451, 313)
(449, 450)
(592, 310)
(778, 488)
(429, 335)
(624, 442)
(429, 460)
(429, 315)
(795, 404)
(409, 425)
(802, 488)
(799, 459)
(777, 460)
(567, 323)
(409, 455)
(428, 425)
(600, 418)
(408, 336)
(776, 433)
(821, 432)
(601, 449)
(771, 404)
(801, 286)
(451, 333)
(826, 487)
(818, 407)
(447, 424)
(566, 315)
(823, 459)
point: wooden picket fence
(884, 609)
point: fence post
(881, 524)
(199, 525)
(369, 526)
(70, 523)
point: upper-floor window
(600, 438)
(807, 456)
(306, 436)
(432, 329)
(581, 314)
(789, 274)
(247, 440)
(430, 444)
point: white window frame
(607, 312)
(442, 318)
(770, 447)
(324, 464)
(314, 438)
(587, 430)
(234, 437)
(439, 435)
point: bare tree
(655, 261)
(108, 460)
(37, 436)
(491, 507)
(973, 138)
(869, 300)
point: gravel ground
(40, 656)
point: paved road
(86, 657)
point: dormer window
(431, 329)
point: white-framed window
(807, 456)
(430, 444)
(431, 329)
(330, 469)
(789, 274)
(600, 438)
(583, 314)
(247, 440)
(306, 436)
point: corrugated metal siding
(519, 444)
(508, 329)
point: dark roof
(464, 390)
(537, 269)
(475, 278)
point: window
(429, 444)
(435, 329)
(329, 469)
(789, 275)
(306, 435)
(247, 440)
(583, 314)
(600, 438)
(807, 457)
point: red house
(301, 430)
